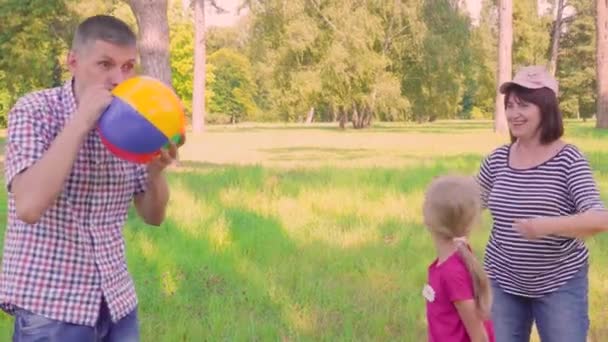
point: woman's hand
(533, 228)
(580, 225)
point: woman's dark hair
(551, 124)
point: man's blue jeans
(32, 327)
(559, 316)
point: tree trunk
(310, 116)
(367, 121)
(602, 63)
(343, 117)
(555, 36)
(200, 60)
(355, 118)
(505, 46)
(153, 27)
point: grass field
(311, 233)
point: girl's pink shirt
(447, 283)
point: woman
(540, 280)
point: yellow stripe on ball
(155, 101)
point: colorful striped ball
(144, 115)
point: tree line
(305, 60)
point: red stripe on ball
(132, 157)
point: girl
(458, 293)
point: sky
(474, 7)
(226, 19)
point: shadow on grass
(262, 284)
(296, 149)
(191, 290)
(189, 164)
(303, 153)
(265, 287)
(439, 127)
(212, 178)
(262, 128)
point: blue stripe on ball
(122, 126)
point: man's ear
(71, 60)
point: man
(64, 274)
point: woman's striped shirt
(563, 185)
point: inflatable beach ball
(144, 115)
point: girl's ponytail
(481, 284)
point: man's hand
(160, 163)
(93, 102)
(151, 205)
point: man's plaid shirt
(61, 266)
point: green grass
(288, 233)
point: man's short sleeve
(28, 137)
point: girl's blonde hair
(452, 206)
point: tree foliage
(397, 60)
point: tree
(200, 56)
(307, 55)
(231, 84)
(445, 36)
(577, 62)
(153, 30)
(530, 38)
(602, 63)
(34, 39)
(556, 32)
(182, 64)
(505, 45)
(233, 37)
(484, 39)
(198, 100)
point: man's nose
(117, 77)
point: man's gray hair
(103, 27)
